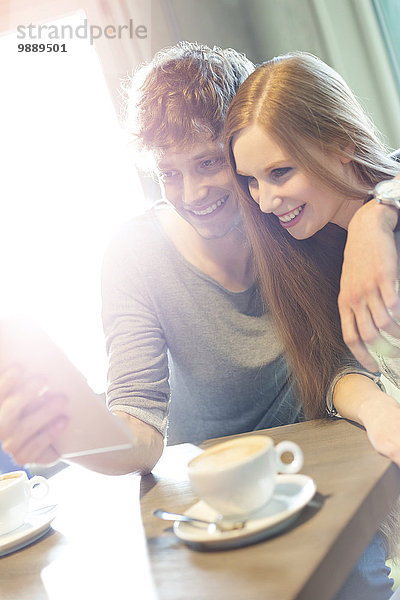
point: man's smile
(210, 208)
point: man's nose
(194, 190)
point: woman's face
(302, 204)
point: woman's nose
(269, 202)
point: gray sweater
(184, 352)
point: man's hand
(30, 418)
(368, 299)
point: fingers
(387, 444)
(30, 419)
(33, 423)
(380, 415)
(393, 453)
(17, 401)
(368, 301)
(391, 301)
(371, 336)
(8, 380)
(354, 342)
(362, 322)
(38, 448)
(381, 316)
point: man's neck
(226, 259)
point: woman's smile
(292, 217)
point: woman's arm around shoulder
(368, 299)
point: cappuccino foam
(5, 480)
(229, 453)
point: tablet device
(91, 429)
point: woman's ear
(346, 153)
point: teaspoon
(220, 524)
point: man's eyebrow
(208, 153)
(202, 155)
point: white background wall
(344, 33)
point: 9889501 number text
(42, 48)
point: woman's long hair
(307, 108)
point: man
(189, 341)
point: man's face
(197, 182)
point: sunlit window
(388, 13)
(68, 181)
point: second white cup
(16, 490)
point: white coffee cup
(16, 490)
(238, 476)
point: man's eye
(167, 176)
(277, 174)
(211, 163)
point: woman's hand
(381, 419)
(368, 299)
(31, 418)
(359, 399)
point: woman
(305, 153)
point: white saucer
(292, 493)
(37, 523)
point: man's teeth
(292, 215)
(210, 209)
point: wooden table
(105, 543)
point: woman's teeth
(210, 209)
(292, 215)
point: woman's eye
(252, 183)
(252, 186)
(277, 174)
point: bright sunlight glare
(68, 182)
